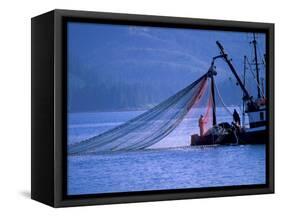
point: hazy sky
(169, 58)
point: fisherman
(236, 118)
(201, 123)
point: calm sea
(175, 165)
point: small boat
(232, 133)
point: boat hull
(254, 137)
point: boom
(225, 57)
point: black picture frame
(48, 74)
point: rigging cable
(251, 70)
(220, 98)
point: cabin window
(261, 116)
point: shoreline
(189, 147)
(134, 110)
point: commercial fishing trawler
(255, 108)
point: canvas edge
(42, 95)
(59, 200)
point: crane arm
(225, 57)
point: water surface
(157, 169)
(167, 169)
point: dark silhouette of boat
(255, 109)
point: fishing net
(148, 128)
(208, 116)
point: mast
(211, 73)
(244, 83)
(214, 100)
(257, 65)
